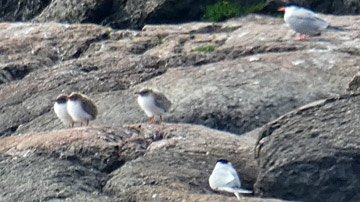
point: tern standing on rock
(225, 178)
(81, 108)
(305, 21)
(60, 108)
(153, 103)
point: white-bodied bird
(225, 178)
(81, 108)
(60, 108)
(305, 21)
(153, 103)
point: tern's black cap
(61, 99)
(222, 161)
(144, 92)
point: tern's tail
(233, 190)
(334, 29)
(239, 191)
(243, 191)
(236, 191)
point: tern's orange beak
(281, 9)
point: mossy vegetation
(220, 11)
(251, 8)
(207, 48)
(223, 10)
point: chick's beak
(281, 9)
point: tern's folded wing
(162, 101)
(89, 107)
(306, 23)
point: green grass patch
(207, 48)
(225, 9)
(220, 11)
(251, 8)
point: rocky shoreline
(247, 78)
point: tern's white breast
(76, 111)
(147, 103)
(224, 175)
(61, 112)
